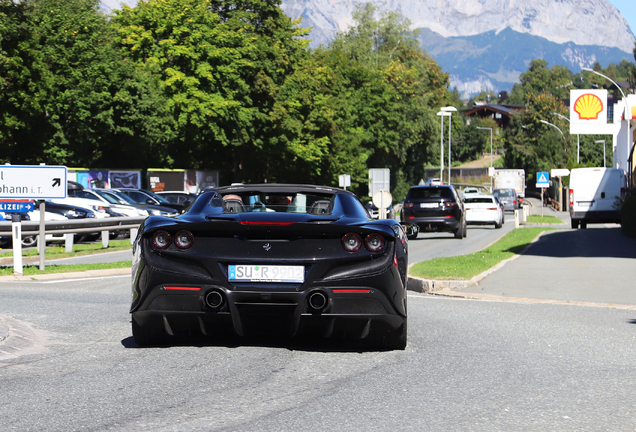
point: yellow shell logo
(588, 106)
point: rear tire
(396, 340)
(583, 224)
(574, 223)
(460, 233)
(147, 336)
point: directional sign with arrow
(32, 181)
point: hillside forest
(232, 86)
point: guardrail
(74, 226)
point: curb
(445, 287)
(70, 275)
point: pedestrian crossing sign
(543, 179)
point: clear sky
(628, 9)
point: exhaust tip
(317, 301)
(214, 299)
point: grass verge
(465, 267)
(33, 270)
(544, 219)
(53, 252)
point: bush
(628, 214)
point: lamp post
(598, 142)
(627, 116)
(490, 129)
(554, 126)
(449, 110)
(578, 141)
(442, 114)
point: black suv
(435, 208)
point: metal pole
(578, 148)
(441, 143)
(42, 236)
(450, 117)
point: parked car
(178, 197)
(508, 197)
(435, 208)
(484, 210)
(143, 196)
(115, 203)
(595, 195)
(296, 259)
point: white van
(595, 195)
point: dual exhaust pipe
(316, 301)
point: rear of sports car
(322, 273)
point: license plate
(266, 273)
(429, 205)
(584, 204)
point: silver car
(507, 197)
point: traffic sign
(16, 206)
(543, 179)
(32, 181)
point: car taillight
(571, 197)
(351, 242)
(450, 203)
(161, 239)
(408, 205)
(493, 208)
(374, 242)
(514, 201)
(184, 239)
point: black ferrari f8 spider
(243, 257)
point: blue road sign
(543, 179)
(16, 206)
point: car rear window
(423, 193)
(478, 200)
(249, 202)
(505, 193)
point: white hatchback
(483, 210)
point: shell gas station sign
(588, 112)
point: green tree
(220, 64)
(540, 79)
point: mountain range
(486, 44)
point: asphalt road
(470, 365)
(514, 364)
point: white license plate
(476, 209)
(429, 205)
(266, 273)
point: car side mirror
(411, 230)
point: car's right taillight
(450, 203)
(351, 242)
(374, 242)
(161, 239)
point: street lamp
(442, 114)
(449, 110)
(554, 126)
(627, 116)
(490, 129)
(578, 142)
(598, 142)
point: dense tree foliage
(231, 85)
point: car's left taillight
(351, 242)
(184, 239)
(161, 239)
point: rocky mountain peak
(583, 22)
